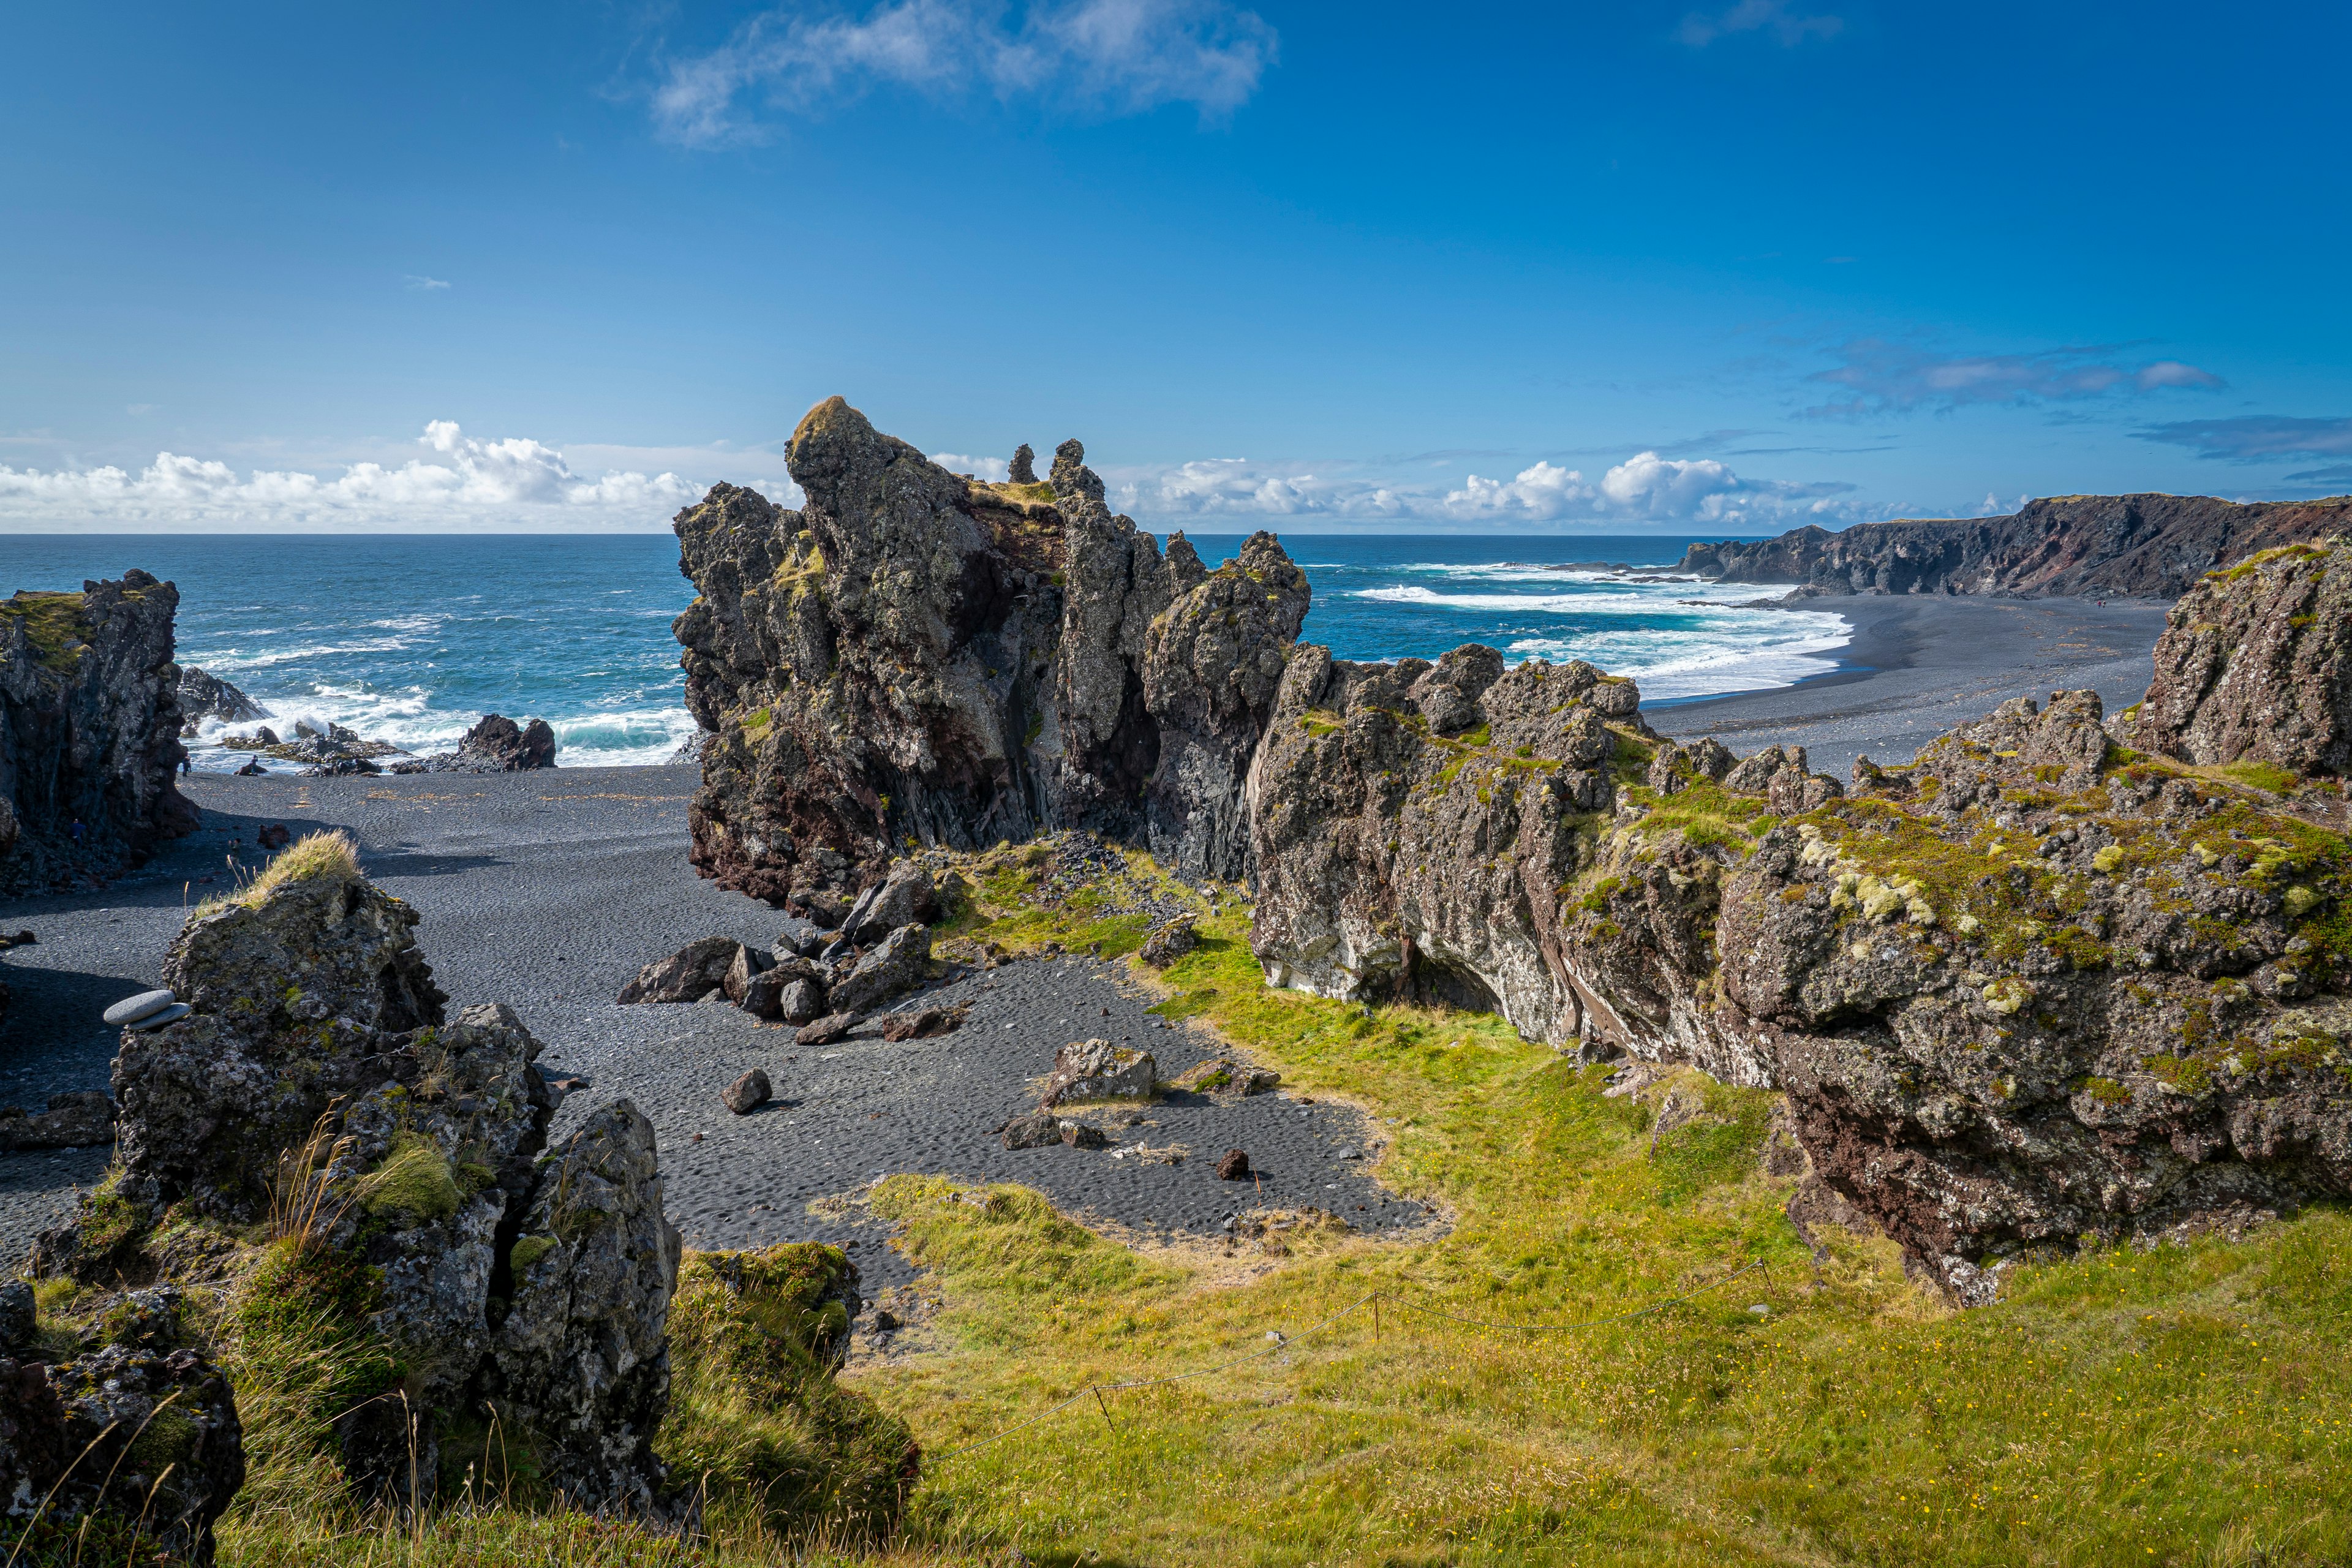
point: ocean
(411, 639)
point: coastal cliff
(2051, 980)
(913, 655)
(89, 724)
(2152, 546)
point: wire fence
(1101, 1392)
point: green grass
(57, 625)
(2184, 1406)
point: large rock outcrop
(1415, 827)
(89, 730)
(917, 655)
(2152, 546)
(2255, 664)
(318, 1095)
(204, 695)
(2027, 990)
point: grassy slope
(2181, 1406)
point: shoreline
(1915, 665)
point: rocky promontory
(913, 655)
(2152, 546)
(89, 728)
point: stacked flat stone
(148, 1010)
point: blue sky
(1740, 265)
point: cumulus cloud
(1772, 18)
(1880, 377)
(1116, 55)
(2258, 438)
(996, 470)
(1645, 487)
(515, 483)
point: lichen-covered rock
(297, 984)
(903, 897)
(2255, 664)
(916, 654)
(581, 1364)
(1416, 827)
(1168, 941)
(900, 963)
(89, 730)
(123, 1442)
(2025, 991)
(1097, 1069)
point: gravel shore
(548, 891)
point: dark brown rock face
(2154, 546)
(917, 655)
(1415, 827)
(89, 727)
(2255, 664)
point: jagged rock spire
(1024, 465)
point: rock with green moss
(755, 1339)
(1416, 828)
(958, 663)
(89, 724)
(2255, 667)
(127, 1443)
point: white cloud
(1700, 29)
(993, 470)
(1234, 487)
(1882, 377)
(516, 484)
(1119, 56)
(418, 281)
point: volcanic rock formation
(2153, 546)
(2255, 664)
(90, 726)
(204, 695)
(318, 1077)
(918, 655)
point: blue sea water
(411, 639)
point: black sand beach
(1917, 664)
(549, 890)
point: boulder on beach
(900, 963)
(902, 898)
(499, 744)
(924, 1022)
(204, 695)
(827, 1029)
(690, 975)
(746, 1093)
(1031, 1129)
(1169, 942)
(1097, 1069)
(1233, 1166)
(77, 1119)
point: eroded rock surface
(2255, 664)
(89, 730)
(917, 655)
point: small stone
(885, 1320)
(1079, 1135)
(1034, 1130)
(130, 1009)
(1234, 1166)
(170, 1015)
(748, 1093)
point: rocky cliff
(2031, 989)
(90, 725)
(2151, 546)
(2255, 665)
(913, 655)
